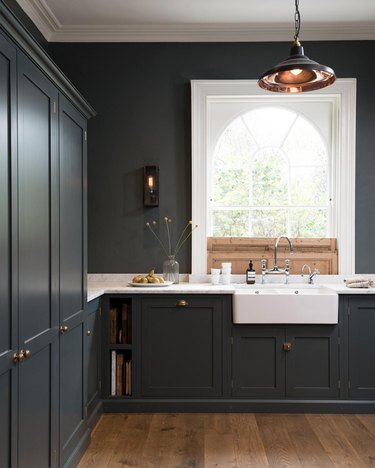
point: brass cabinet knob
(182, 303)
(26, 354)
(18, 357)
(88, 332)
(64, 329)
(287, 347)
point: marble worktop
(99, 284)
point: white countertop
(118, 284)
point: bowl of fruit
(149, 280)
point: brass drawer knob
(88, 333)
(287, 347)
(18, 357)
(182, 303)
(26, 354)
(64, 329)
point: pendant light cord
(297, 21)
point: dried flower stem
(182, 239)
(160, 242)
(178, 247)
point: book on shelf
(127, 378)
(112, 325)
(113, 373)
(124, 324)
(119, 373)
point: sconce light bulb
(150, 183)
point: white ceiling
(200, 20)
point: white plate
(151, 285)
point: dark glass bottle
(250, 274)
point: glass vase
(171, 270)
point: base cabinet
(181, 349)
(291, 362)
(359, 313)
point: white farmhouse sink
(280, 303)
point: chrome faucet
(276, 270)
(311, 275)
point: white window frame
(343, 96)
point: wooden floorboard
(232, 441)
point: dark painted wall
(142, 95)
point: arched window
(268, 164)
(270, 176)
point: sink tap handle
(287, 270)
(264, 268)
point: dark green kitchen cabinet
(312, 364)
(285, 362)
(258, 362)
(42, 256)
(93, 359)
(8, 273)
(181, 346)
(72, 275)
(38, 288)
(359, 316)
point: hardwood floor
(232, 440)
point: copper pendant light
(297, 73)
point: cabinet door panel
(361, 347)
(258, 362)
(92, 359)
(72, 209)
(7, 78)
(37, 166)
(72, 183)
(181, 347)
(5, 419)
(38, 408)
(71, 391)
(37, 265)
(312, 365)
(8, 269)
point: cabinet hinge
(100, 311)
(231, 383)
(100, 384)
(339, 340)
(54, 107)
(349, 384)
(85, 135)
(339, 384)
(85, 412)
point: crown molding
(212, 33)
(51, 28)
(42, 16)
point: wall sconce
(150, 186)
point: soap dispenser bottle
(250, 274)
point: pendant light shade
(297, 73)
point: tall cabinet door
(72, 131)
(38, 266)
(8, 313)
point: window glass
(270, 176)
